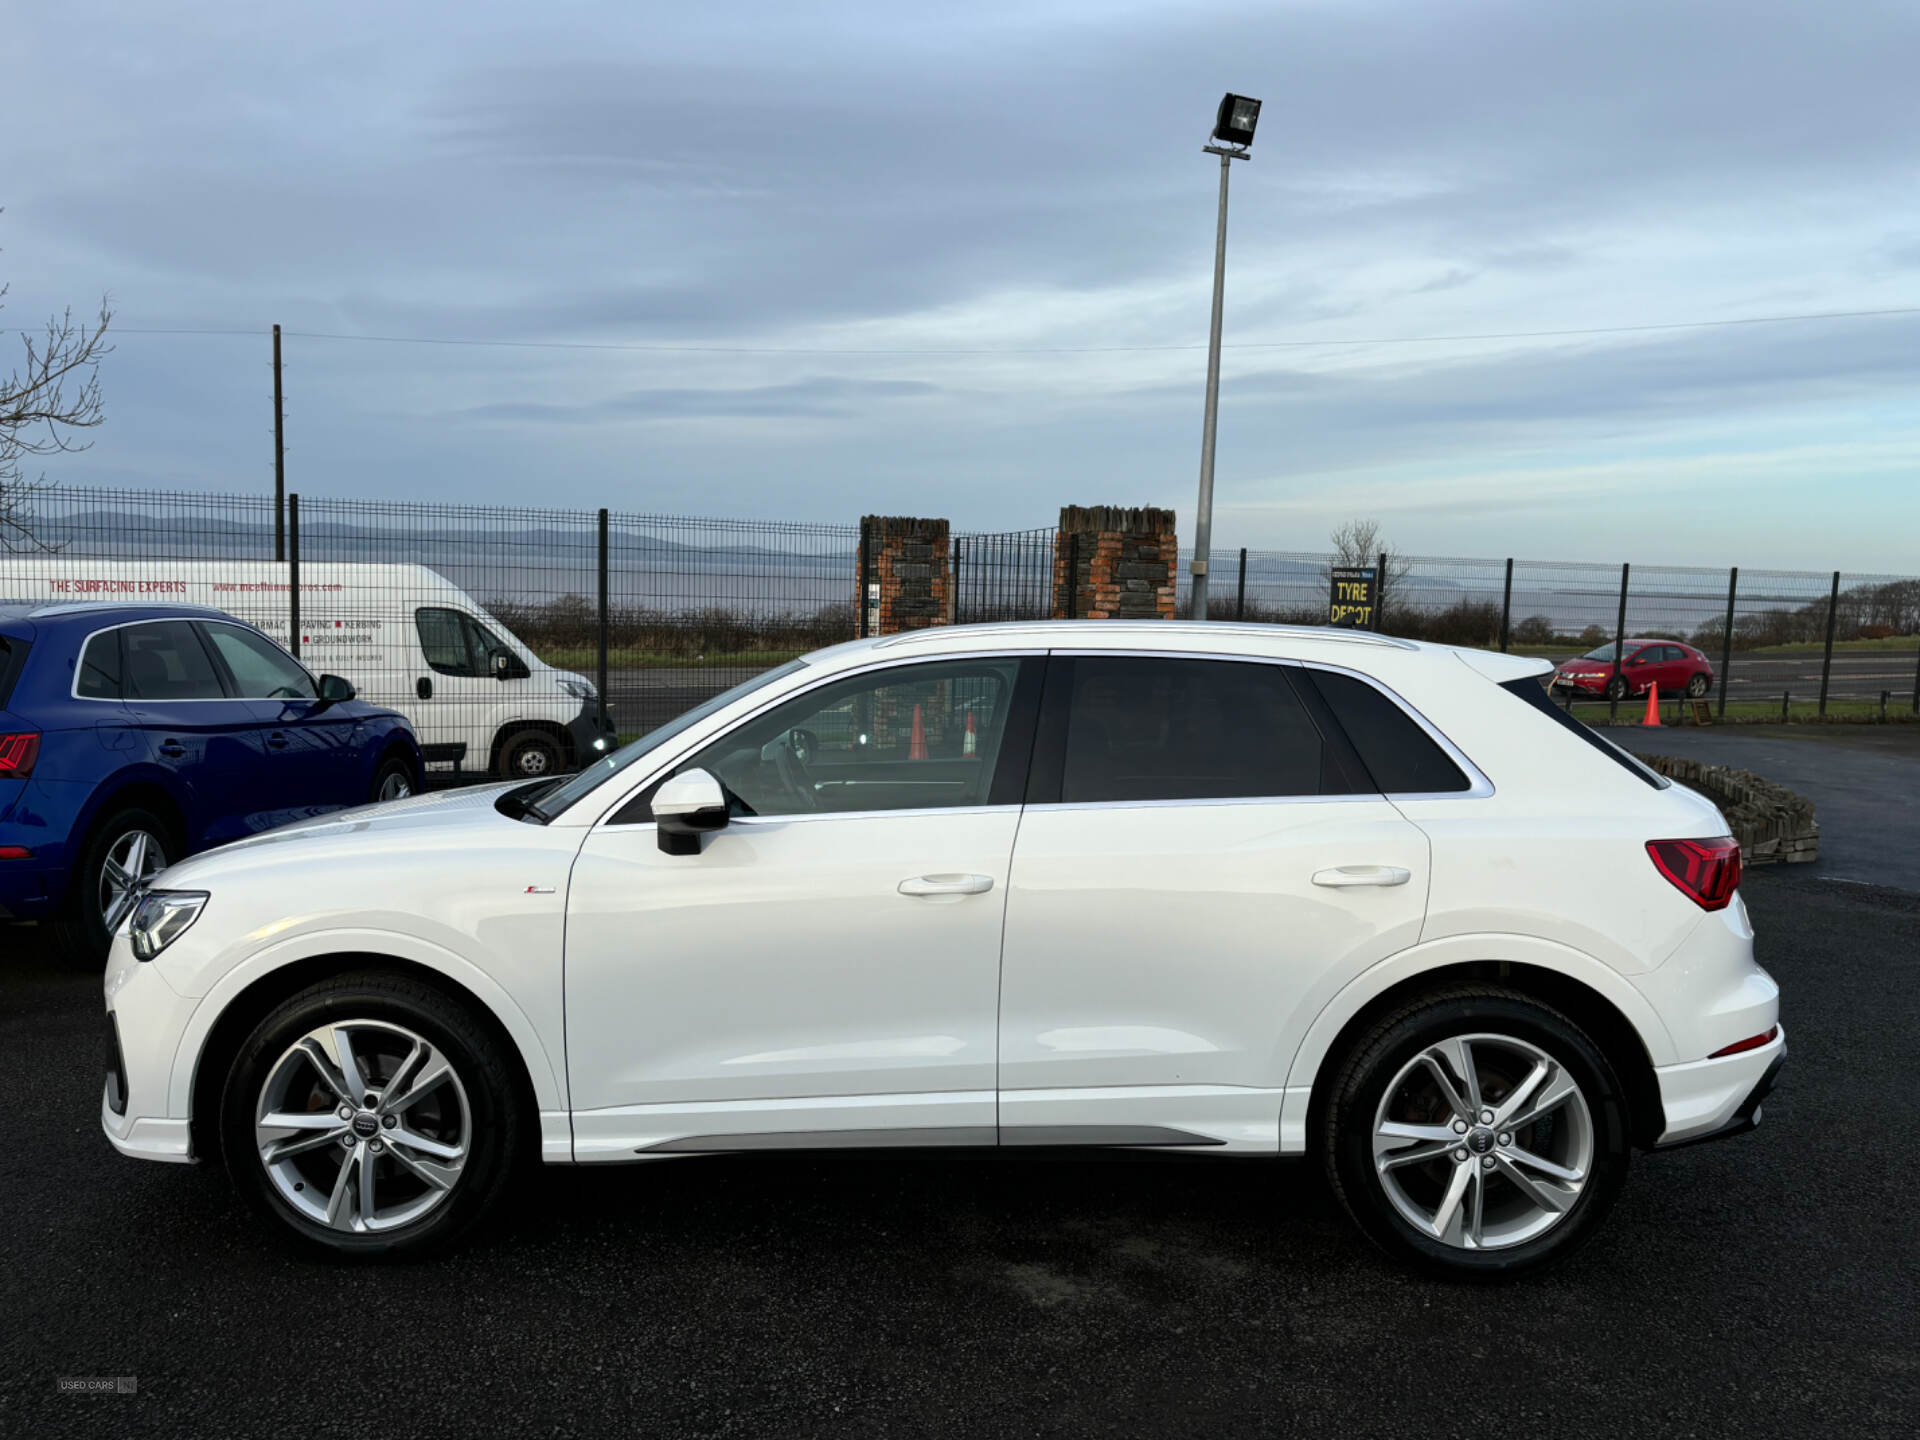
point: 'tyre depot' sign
(1353, 602)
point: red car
(1676, 668)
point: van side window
(99, 671)
(443, 637)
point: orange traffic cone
(917, 747)
(970, 744)
(1653, 706)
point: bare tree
(43, 404)
(1362, 542)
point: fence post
(1620, 635)
(1726, 640)
(1380, 596)
(1240, 595)
(866, 580)
(293, 576)
(1826, 664)
(605, 616)
(279, 457)
(1916, 687)
(1506, 606)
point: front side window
(98, 677)
(164, 660)
(261, 670)
(444, 637)
(908, 737)
(1140, 728)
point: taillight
(17, 754)
(1707, 872)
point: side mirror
(687, 806)
(334, 689)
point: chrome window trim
(213, 618)
(1479, 787)
(891, 662)
(757, 822)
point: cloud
(819, 398)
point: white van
(478, 699)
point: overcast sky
(795, 187)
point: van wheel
(1476, 1133)
(125, 851)
(529, 755)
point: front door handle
(947, 885)
(172, 749)
(277, 740)
(1344, 875)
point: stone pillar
(909, 573)
(1114, 563)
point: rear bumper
(1715, 1099)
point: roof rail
(81, 607)
(1153, 627)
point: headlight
(162, 917)
(579, 689)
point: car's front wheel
(392, 781)
(1477, 1132)
(372, 1116)
(1617, 688)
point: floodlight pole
(1203, 512)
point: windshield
(1605, 652)
(598, 773)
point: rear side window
(165, 660)
(1139, 728)
(13, 659)
(99, 669)
(1402, 758)
(1533, 693)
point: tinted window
(165, 661)
(13, 658)
(908, 737)
(99, 669)
(444, 639)
(261, 670)
(1400, 756)
(1146, 729)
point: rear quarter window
(13, 659)
(1402, 758)
(97, 673)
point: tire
(1400, 1206)
(530, 755)
(315, 1195)
(394, 775)
(83, 934)
(1617, 688)
(1698, 685)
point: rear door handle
(1344, 875)
(947, 885)
(277, 740)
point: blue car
(133, 735)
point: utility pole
(279, 458)
(1234, 128)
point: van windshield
(598, 773)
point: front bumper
(1715, 1099)
(592, 734)
(148, 1017)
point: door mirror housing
(506, 665)
(687, 806)
(334, 689)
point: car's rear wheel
(393, 780)
(1697, 685)
(1477, 1133)
(125, 851)
(529, 755)
(373, 1117)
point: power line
(1043, 350)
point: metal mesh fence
(516, 638)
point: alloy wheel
(1483, 1141)
(134, 859)
(395, 786)
(363, 1126)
